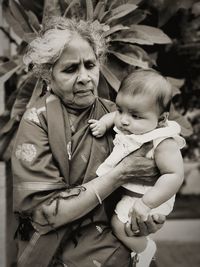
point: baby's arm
(99, 127)
(170, 163)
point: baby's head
(143, 102)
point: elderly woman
(64, 210)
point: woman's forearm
(73, 208)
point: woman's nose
(83, 76)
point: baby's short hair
(151, 82)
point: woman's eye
(70, 69)
(89, 65)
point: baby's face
(136, 114)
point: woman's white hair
(45, 50)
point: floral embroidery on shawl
(69, 150)
(26, 152)
(99, 229)
(97, 263)
(31, 115)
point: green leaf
(98, 8)
(101, 12)
(29, 37)
(7, 66)
(132, 41)
(104, 16)
(114, 29)
(7, 137)
(121, 11)
(23, 97)
(113, 3)
(51, 8)
(20, 15)
(89, 10)
(7, 69)
(71, 5)
(136, 17)
(36, 6)
(103, 88)
(130, 59)
(186, 127)
(33, 20)
(110, 77)
(135, 2)
(13, 22)
(143, 34)
(139, 52)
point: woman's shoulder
(111, 106)
(37, 111)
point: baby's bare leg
(136, 244)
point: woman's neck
(74, 111)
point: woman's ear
(163, 118)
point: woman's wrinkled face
(75, 75)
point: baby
(143, 104)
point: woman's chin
(81, 102)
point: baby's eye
(135, 116)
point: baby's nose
(124, 120)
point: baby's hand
(98, 128)
(140, 210)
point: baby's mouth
(125, 131)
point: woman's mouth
(84, 92)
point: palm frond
(14, 24)
(20, 15)
(7, 69)
(110, 77)
(99, 6)
(131, 59)
(115, 29)
(70, 6)
(89, 10)
(120, 12)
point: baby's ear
(163, 118)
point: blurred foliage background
(159, 34)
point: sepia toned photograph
(99, 133)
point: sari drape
(47, 159)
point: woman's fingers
(132, 228)
(137, 227)
(128, 229)
(143, 228)
(159, 218)
(152, 224)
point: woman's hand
(135, 167)
(140, 210)
(142, 228)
